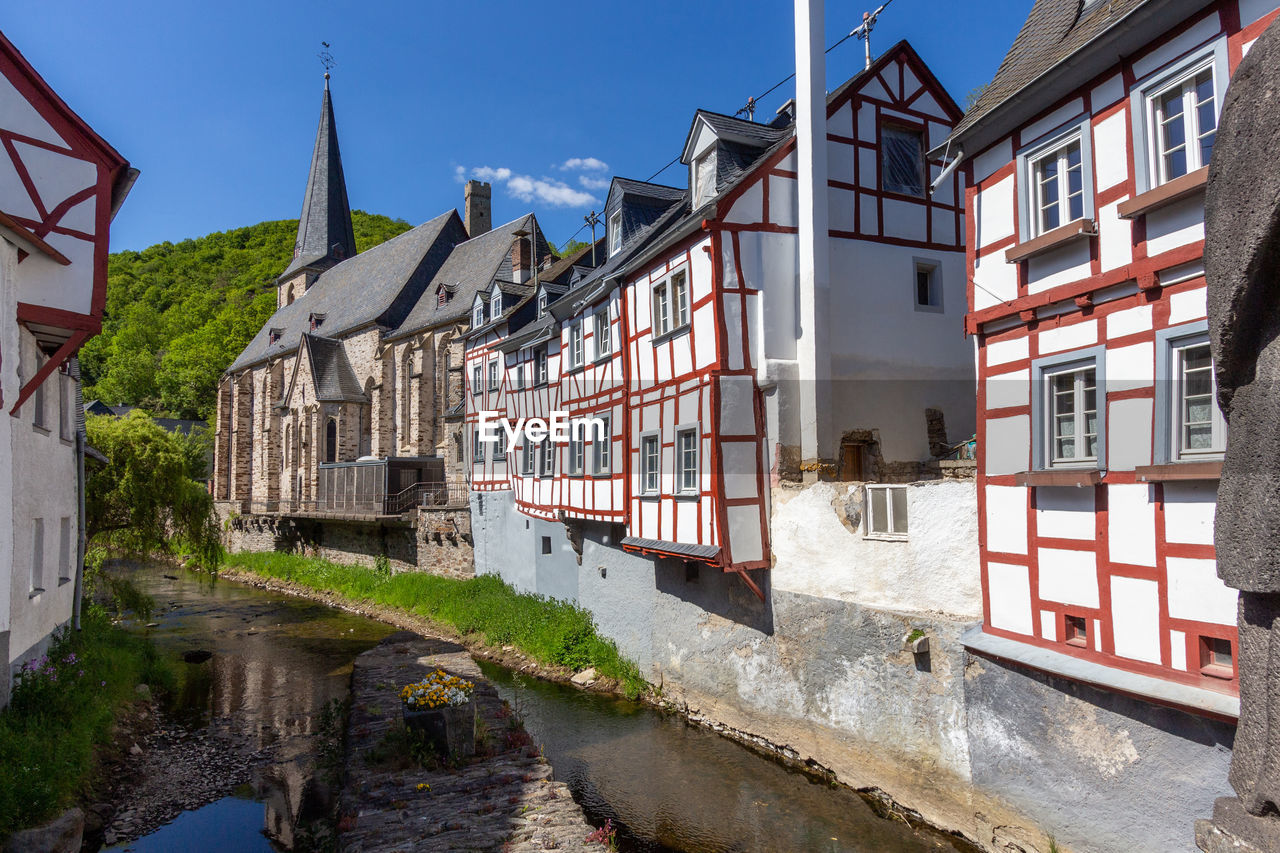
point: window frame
(671, 292)
(1057, 140)
(527, 461)
(547, 462)
(577, 445)
(1168, 400)
(477, 447)
(654, 436)
(37, 556)
(542, 304)
(477, 313)
(868, 514)
(934, 268)
(1213, 54)
(541, 371)
(598, 470)
(494, 374)
(66, 388)
(615, 232)
(600, 333)
(1041, 370)
(477, 379)
(681, 490)
(1190, 123)
(575, 348)
(922, 171)
(700, 193)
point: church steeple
(325, 235)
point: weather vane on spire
(327, 60)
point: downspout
(81, 542)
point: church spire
(325, 235)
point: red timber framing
(47, 144)
(1119, 311)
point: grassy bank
(62, 709)
(551, 632)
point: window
(442, 296)
(477, 315)
(1075, 631)
(615, 231)
(575, 345)
(1215, 657)
(704, 178)
(317, 320)
(331, 440)
(650, 459)
(493, 376)
(1057, 186)
(477, 379)
(526, 458)
(64, 549)
(548, 457)
(577, 449)
(37, 556)
(601, 444)
(901, 161)
(37, 399)
(671, 304)
(928, 285)
(477, 447)
(500, 446)
(886, 511)
(1201, 429)
(1071, 396)
(540, 365)
(495, 303)
(687, 461)
(542, 304)
(65, 389)
(546, 544)
(518, 375)
(1184, 122)
(600, 332)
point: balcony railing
(433, 495)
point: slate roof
(471, 267)
(645, 203)
(325, 234)
(335, 380)
(380, 284)
(1059, 30)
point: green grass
(49, 732)
(551, 632)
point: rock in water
(197, 655)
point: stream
(255, 709)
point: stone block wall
(444, 542)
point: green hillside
(178, 314)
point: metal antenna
(593, 219)
(327, 60)
(863, 30)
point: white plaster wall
(934, 570)
(44, 468)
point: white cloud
(528, 188)
(460, 174)
(586, 163)
(594, 183)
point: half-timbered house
(1101, 437)
(60, 186)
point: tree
(146, 500)
(569, 248)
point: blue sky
(217, 103)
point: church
(350, 396)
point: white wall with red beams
(538, 496)
(56, 181)
(877, 336)
(1117, 542)
(487, 474)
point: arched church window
(331, 440)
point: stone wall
(436, 541)
(1001, 754)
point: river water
(667, 785)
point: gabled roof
(471, 268)
(731, 129)
(325, 233)
(641, 204)
(378, 285)
(1062, 45)
(331, 371)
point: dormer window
(477, 313)
(704, 178)
(274, 335)
(495, 303)
(317, 320)
(442, 296)
(542, 304)
(615, 231)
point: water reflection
(674, 786)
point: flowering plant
(439, 689)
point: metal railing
(420, 495)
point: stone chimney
(521, 260)
(479, 212)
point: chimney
(521, 259)
(479, 214)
